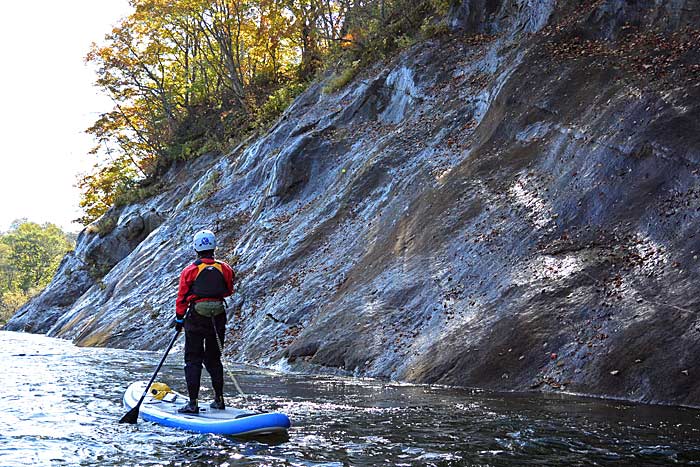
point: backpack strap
(196, 263)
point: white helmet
(204, 240)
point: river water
(60, 405)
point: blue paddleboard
(229, 421)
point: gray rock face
(515, 209)
(490, 17)
(665, 15)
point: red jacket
(187, 277)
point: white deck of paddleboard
(208, 420)
(155, 406)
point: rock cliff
(513, 205)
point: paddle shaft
(155, 373)
(221, 351)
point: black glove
(179, 323)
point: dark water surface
(60, 405)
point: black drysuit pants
(201, 348)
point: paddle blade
(131, 416)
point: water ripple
(60, 405)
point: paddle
(133, 414)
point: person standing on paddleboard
(200, 310)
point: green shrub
(278, 102)
(210, 186)
(405, 41)
(442, 7)
(104, 225)
(136, 193)
(339, 80)
(432, 28)
(193, 148)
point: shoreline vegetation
(29, 256)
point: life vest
(209, 282)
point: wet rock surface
(513, 206)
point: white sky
(47, 100)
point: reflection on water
(60, 405)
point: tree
(29, 256)
(189, 76)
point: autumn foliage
(192, 76)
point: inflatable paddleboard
(162, 409)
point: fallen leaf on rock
(614, 372)
(685, 372)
